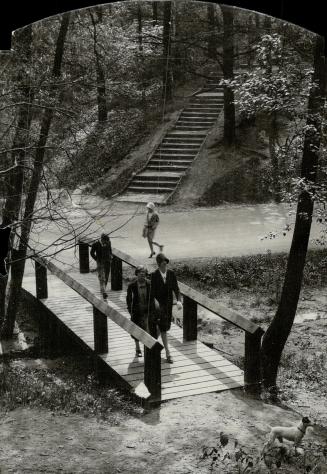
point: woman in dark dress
(138, 303)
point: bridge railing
(101, 312)
(191, 300)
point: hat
(104, 236)
(140, 268)
(161, 258)
(150, 205)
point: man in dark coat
(101, 252)
(163, 285)
(138, 303)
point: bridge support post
(116, 274)
(84, 262)
(152, 371)
(252, 370)
(190, 319)
(100, 325)
(41, 281)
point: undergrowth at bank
(262, 273)
(68, 388)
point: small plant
(232, 460)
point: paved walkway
(221, 231)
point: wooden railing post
(116, 274)
(252, 371)
(152, 371)
(190, 319)
(84, 262)
(100, 325)
(41, 281)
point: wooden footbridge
(71, 304)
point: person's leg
(164, 338)
(101, 277)
(158, 245)
(137, 347)
(106, 273)
(151, 245)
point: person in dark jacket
(163, 285)
(101, 252)
(138, 303)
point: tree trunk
(18, 264)
(212, 37)
(167, 78)
(277, 334)
(14, 188)
(273, 133)
(154, 13)
(99, 69)
(228, 71)
(141, 68)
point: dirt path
(165, 440)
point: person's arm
(93, 252)
(129, 298)
(176, 287)
(177, 292)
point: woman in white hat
(151, 223)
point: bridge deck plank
(196, 368)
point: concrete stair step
(159, 178)
(150, 189)
(173, 156)
(189, 128)
(213, 112)
(181, 140)
(175, 168)
(151, 174)
(175, 151)
(172, 161)
(207, 100)
(194, 136)
(179, 146)
(210, 107)
(186, 124)
(154, 182)
(210, 96)
(198, 116)
(199, 113)
(195, 121)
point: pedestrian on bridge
(163, 285)
(150, 226)
(138, 303)
(101, 252)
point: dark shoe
(161, 248)
(151, 254)
(169, 360)
(138, 354)
(105, 296)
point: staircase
(178, 149)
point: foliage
(275, 92)
(272, 459)
(67, 388)
(261, 273)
